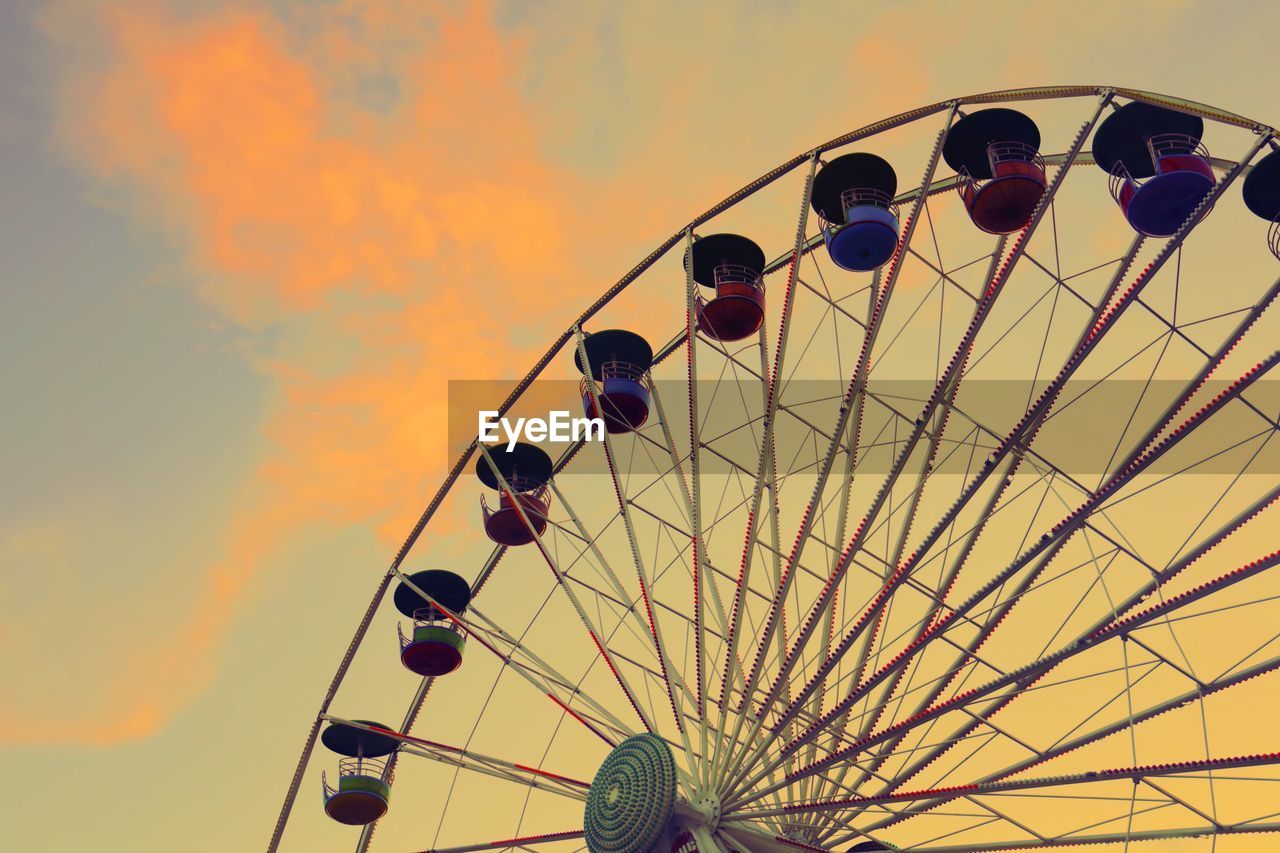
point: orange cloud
(369, 239)
(226, 129)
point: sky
(248, 243)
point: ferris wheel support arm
(870, 720)
(1030, 423)
(770, 381)
(668, 446)
(1076, 646)
(854, 432)
(509, 843)
(1107, 838)
(695, 500)
(1140, 460)
(469, 759)
(828, 596)
(1263, 668)
(1160, 578)
(914, 584)
(420, 695)
(879, 300)
(971, 539)
(624, 598)
(950, 376)
(486, 767)
(775, 542)
(1104, 319)
(1107, 628)
(669, 439)
(597, 637)
(1160, 425)
(624, 510)
(542, 668)
(1226, 682)
(550, 682)
(1179, 769)
(415, 706)
(1028, 675)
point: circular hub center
(709, 804)
(632, 797)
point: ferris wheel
(936, 516)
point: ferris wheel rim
(867, 131)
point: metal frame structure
(802, 706)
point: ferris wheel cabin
(364, 774)
(853, 195)
(527, 470)
(733, 267)
(996, 155)
(1160, 171)
(435, 644)
(619, 363)
(1262, 196)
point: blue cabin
(363, 790)
(1262, 196)
(527, 469)
(1000, 173)
(1159, 170)
(435, 645)
(853, 196)
(619, 363)
(733, 268)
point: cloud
(385, 245)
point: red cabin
(620, 363)
(527, 470)
(364, 775)
(996, 155)
(1159, 170)
(1262, 196)
(853, 196)
(733, 267)
(435, 645)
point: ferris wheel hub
(632, 797)
(707, 805)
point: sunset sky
(248, 243)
